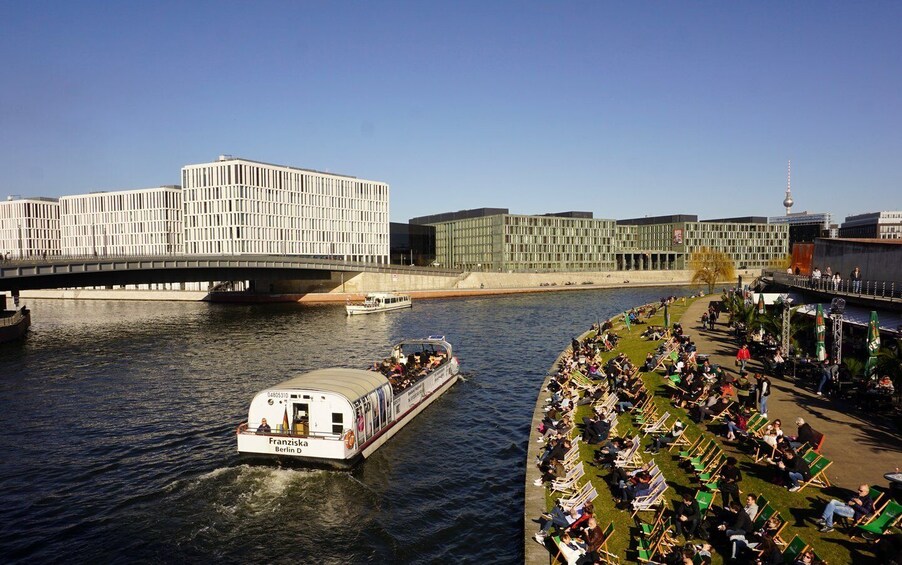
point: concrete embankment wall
(342, 286)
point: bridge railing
(887, 290)
(325, 261)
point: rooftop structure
(459, 215)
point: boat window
(337, 423)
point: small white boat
(336, 417)
(379, 302)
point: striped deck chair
(681, 440)
(657, 425)
(568, 483)
(652, 499)
(586, 493)
(629, 458)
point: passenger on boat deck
(263, 428)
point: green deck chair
(795, 547)
(886, 520)
(818, 474)
(704, 500)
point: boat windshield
(409, 363)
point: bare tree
(710, 266)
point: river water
(119, 421)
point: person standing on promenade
(763, 393)
(742, 356)
(855, 277)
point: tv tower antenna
(788, 200)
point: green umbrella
(820, 351)
(666, 317)
(761, 303)
(873, 345)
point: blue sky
(624, 109)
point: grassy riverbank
(799, 509)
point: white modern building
(239, 206)
(29, 227)
(128, 222)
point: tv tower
(788, 200)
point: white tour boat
(336, 417)
(379, 302)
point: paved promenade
(862, 446)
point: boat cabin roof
(350, 383)
(385, 295)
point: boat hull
(16, 329)
(354, 310)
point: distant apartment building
(29, 227)
(805, 227)
(127, 222)
(495, 240)
(239, 206)
(874, 225)
(667, 242)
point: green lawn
(799, 508)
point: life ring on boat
(350, 439)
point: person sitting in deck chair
(859, 506)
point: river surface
(119, 422)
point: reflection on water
(120, 419)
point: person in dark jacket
(859, 506)
(741, 523)
(796, 469)
(728, 484)
(688, 515)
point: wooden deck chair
(697, 448)
(711, 448)
(649, 528)
(568, 483)
(818, 474)
(708, 477)
(648, 555)
(701, 465)
(887, 519)
(722, 414)
(705, 500)
(778, 535)
(756, 422)
(657, 426)
(681, 440)
(571, 555)
(568, 502)
(651, 500)
(761, 503)
(667, 540)
(630, 458)
(603, 552)
(793, 549)
(764, 514)
(764, 451)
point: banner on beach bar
(873, 345)
(820, 351)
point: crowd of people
(711, 395)
(403, 371)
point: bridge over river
(110, 271)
